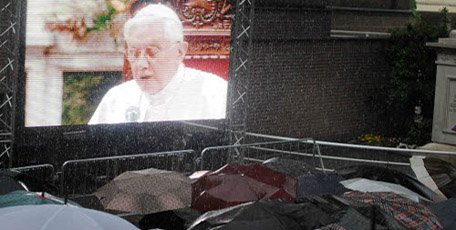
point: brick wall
(379, 4)
(288, 24)
(314, 88)
(369, 21)
(304, 86)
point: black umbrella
(178, 219)
(9, 184)
(290, 167)
(263, 215)
(387, 175)
(316, 184)
(29, 182)
(444, 175)
(349, 214)
(445, 211)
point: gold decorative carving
(213, 45)
(209, 14)
(215, 14)
(80, 18)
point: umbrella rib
(252, 189)
(48, 221)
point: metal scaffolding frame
(10, 14)
(240, 68)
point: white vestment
(191, 94)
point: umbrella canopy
(178, 219)
(387, 175)
(25, 181)
(445, 211)
(444, 175)
(316, 184)
(366, 185)
(412, 214)
(21, 197)
(9, 184)
(198, 174)
(57, 217)
(349, 214)
(290, 167)
(236, 184)
(146, 191)
(263, 215)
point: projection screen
(82, 69)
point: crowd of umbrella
(277, 194)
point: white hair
(157, 13)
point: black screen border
(105, 139)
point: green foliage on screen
(82, 92)
(102, 21)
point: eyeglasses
(151, 51)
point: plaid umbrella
(411, 214)
(21, 197)
(146, 191)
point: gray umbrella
(319, 183)
(290, 167)
(146, 191)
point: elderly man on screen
(162, 89)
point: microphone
(132, 114)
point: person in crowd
(162, 88)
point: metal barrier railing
(337, 155)
(354, 146)
(45, 172)
(215, 157)
(83, 177)
(38, 178)
(331, 155)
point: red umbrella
(235, 184)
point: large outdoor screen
(119, 61)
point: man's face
(153, 58)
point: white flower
(77, 12)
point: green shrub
(82, 92)
(410, 83)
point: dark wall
(372, 21)
(314, 88)
(291, 23)
(379, 4)
(306, 84)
